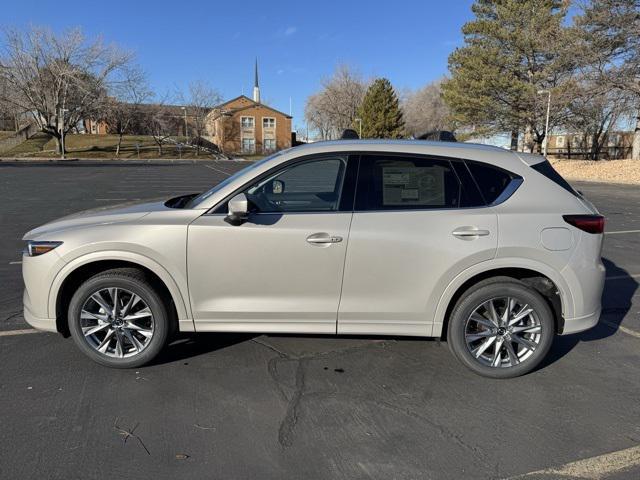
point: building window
(560, 141)
(269, 145)
(268, 122)
(248, 145)
(246, 122)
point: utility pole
(186, 131)
(546, 127)
(359, 120)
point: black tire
(134, 281)
(491, 289)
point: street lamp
(186, 132)
(359, 120)
(61, 129)
(546, 127)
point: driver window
(312, 186)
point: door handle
(323, 238)
(469, 233)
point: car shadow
(189, 345)
(616, 303)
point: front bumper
(580, 324)
(46, 324)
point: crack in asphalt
(292, 415)
(288, 423)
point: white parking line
(217, 169)
(622, 231)
(626, 330)
(15, 263)
(592, 468)
(11, 333)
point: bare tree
(201, 99)
(611, 50)
(594, 112)
(424, 110)
(60, 79)
(317, 115)
(335, 107)
(124, 106)
(160, 124)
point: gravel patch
(610, 171)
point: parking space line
(217, 169)
(16, 263)
(592, 468)
(621, 231)
(626, 330)
(25, 331)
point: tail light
(586, 223)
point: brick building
(246, 126)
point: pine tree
(380, 112)
(513, 49)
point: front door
(281, 271)
(413, 231)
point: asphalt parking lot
(230, 406)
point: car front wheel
(501, 328)
(118, 319)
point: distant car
(487, 248)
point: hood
(125, 212)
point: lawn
(102, 146)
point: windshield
(203, 196)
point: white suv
(487, 248)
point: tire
(138, 331)
(522, 343)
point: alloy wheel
(503, 332)
(116, 322)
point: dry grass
(101, 146)
(5, 134)
(609, 171)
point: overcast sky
(297, 43)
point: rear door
(418, 222)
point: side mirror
(277, 187)
(238, 208)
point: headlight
(38, 248)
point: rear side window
(546, 169)
(491, 181)
(406, 182)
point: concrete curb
(99, 161)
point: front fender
(178, 293)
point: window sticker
(413, 186)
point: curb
(99, 161)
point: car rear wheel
(118, 319)
(501, 328)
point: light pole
(359, 120)
(61, 129)
(186, 132)
(546, 127)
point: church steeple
(256, 87)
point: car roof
(383, 144)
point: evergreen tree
(513, 49)
(380, 112)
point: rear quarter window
(492, 181)
(546, 169)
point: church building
(248, 127)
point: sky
(297, 43)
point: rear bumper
(580, 324)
